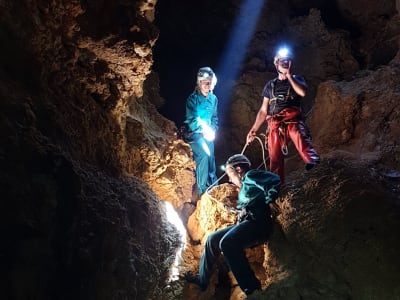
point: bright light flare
(236, 48)
(283, 52)
(208, 132)
(175, 220)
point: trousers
(232, 242)
(283, 127)
(203, 155)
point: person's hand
(209, 134)
(286, 71)
(250, 136)
(275, 209)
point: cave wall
(339, 223)
(336, 237)
(81, 144)
(329, 42)
(86, 158)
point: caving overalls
(284, 121)
(205, 108)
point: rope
(244, 149)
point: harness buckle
(282, 133)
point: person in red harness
(281, 109)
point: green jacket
(205, 108)
(259, 188)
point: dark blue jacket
(259, 188)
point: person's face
(205, 86)
(231, 173)
(284, 64)
(234, 175)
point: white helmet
(283, 53)
(207, 73)
(237, 159)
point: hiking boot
(311, 164)
(195, 278)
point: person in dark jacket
(258, 190)
(281, 110)
(202, 124)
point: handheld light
(208, 132)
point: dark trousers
(232, 242)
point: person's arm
(297, 82)
(298, 86)
(265, 181)
(272, 188)
(214, 117)
(262, 186)
(261, 116)
(272, 185)
(191, 114)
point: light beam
(235, 51)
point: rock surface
(86, 159)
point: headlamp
(206, 73)
(283, 57)
(203, 75)
(283, 53)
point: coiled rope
(244, 149)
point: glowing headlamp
(208, 132)
(283, 53)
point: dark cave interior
(85, 164)
(197, 37)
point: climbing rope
(216, 182)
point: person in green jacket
(258, 190)
(202, 123)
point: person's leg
(210, 254)
(212, 177)
(233, 244)
(200, 155)
(276, 157)
(302, 141)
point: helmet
(207, 73)
(237, 159)
(283, 53)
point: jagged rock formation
(319, 250)
(335, 238)
(86, 159)
(81, 153)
